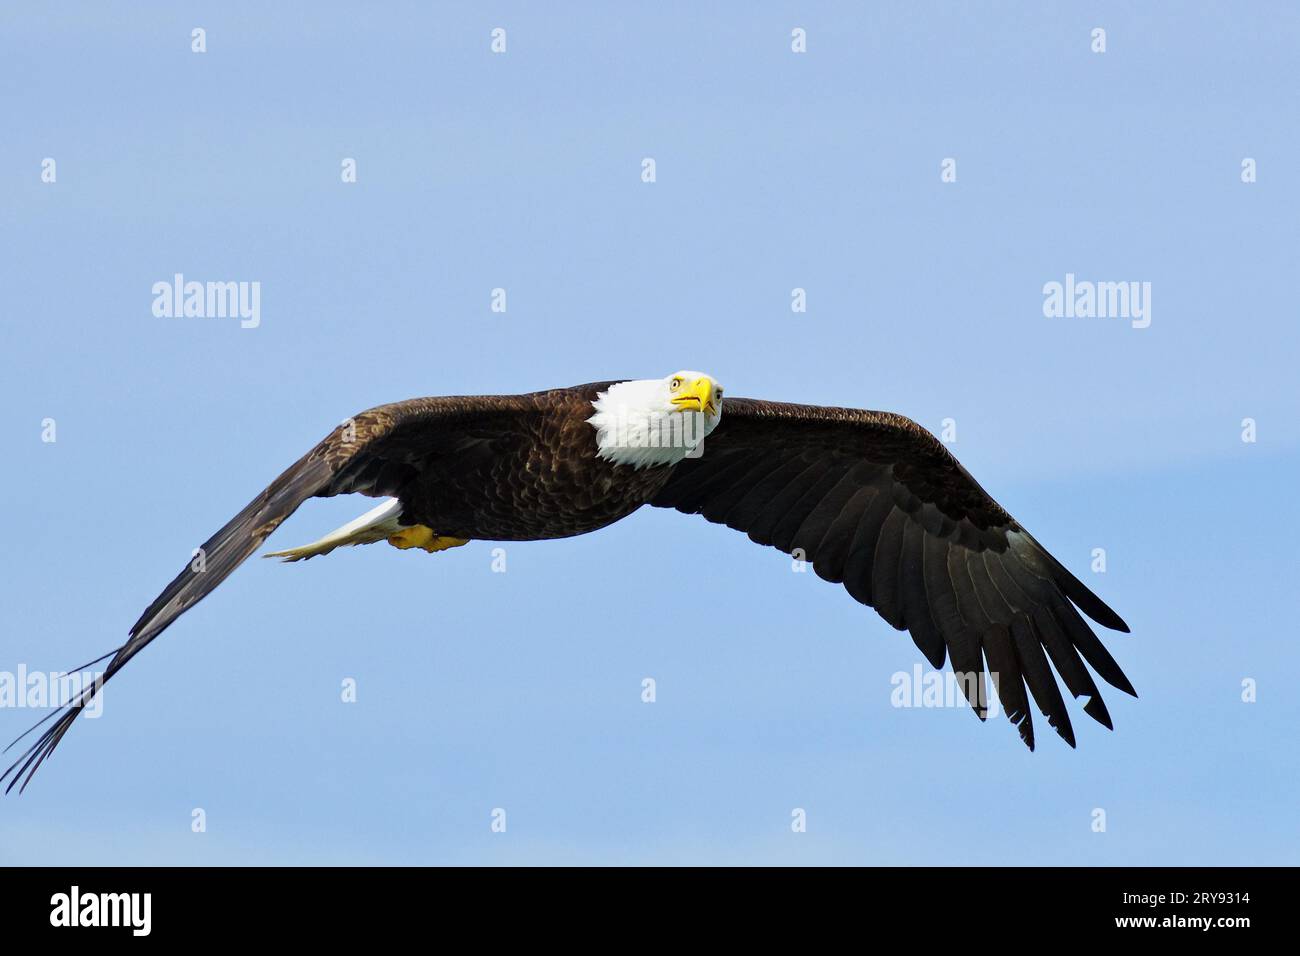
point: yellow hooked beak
(696, 397)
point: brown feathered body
(530, 474)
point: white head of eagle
(656, 421)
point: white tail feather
(378, 524)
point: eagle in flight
(871, 500)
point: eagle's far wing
(876, 502)
(374, 453)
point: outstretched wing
(376, 453)
(876, 502)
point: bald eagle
(871, 500)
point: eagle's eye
(675, 384)
(718, 396)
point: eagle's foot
(425, 538)
(442, 542)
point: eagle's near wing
(375, 453)
(876, 502)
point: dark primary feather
(876, 502)
(377, 453)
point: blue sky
(775, 170)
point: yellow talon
(442, 543)
(416, 536)
(419, 536)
